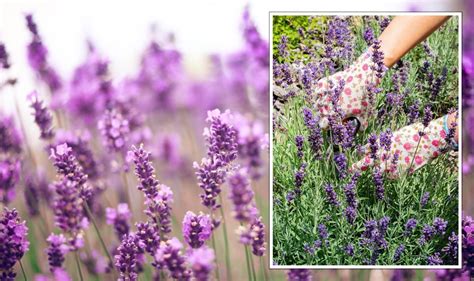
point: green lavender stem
(226, 242)
(76, 255)
(247, 260)
(23, 271)
(91, 216)
(213, 239)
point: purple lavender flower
(350, 191)
(398, 253)
(386, 139)
(67, 166)
(379, 185)
(349, 250)
(197, 229)
(282, 47)
(299, 275)
(201, 262)
(369, 36)
(221, 136)
(331, 195)
(424, 199)
(435, 259)
(4, 61)
(211, 176)
(115, 129)
(241, 195)
(377, 59)
(43, 117)
(119, 218)
(10, 137)
(144, 171)
(351, 214)
(68, 209)
(440, 225)
(250, 136)
(299, 178)
(254, 235)
(373, 146)
(159, 208)
(32, 195)
(428, 116)
(451, 249)
(13, 242)
(384, 22)
(9, 177)
(56, 250)
(410, 226)
(315, 138)
(299, 146)
(323, 231)
(169, 255)
(341, 164)
(428, 233)
(149, 236)
(126, 259)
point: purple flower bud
(242, 196)
(149, 235)
(428, 233)
(451, 249)
(373, 146)
(410, 226)
(197, 229)
(67, 166)
(144, 171)
(127, 257)
(349, 249)
(201, 261)
(13, 242)
(10, 137)
(350, 191)
(159, 208)
(115, 129)
(369, 36)
(254, 235)
(282, 47)
(351, 214)
(379, 185)
(435, 259)
(331, 195)
(119, 218)
(299, 275)
(43, 117)
(169, 256)
(56, 250)
(210, 175)
(221, 136)
(398, 253)
(386, 139)
(428, 116)
(9, 177)
(424, 199)
(341, 164)
(299, 145)
(440, 225)
(377, 58)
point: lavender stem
(23, 271)
(78, 265)
(226, 241)
(91, 216)
(217, 264)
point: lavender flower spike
(56, 250)
(211, 176)
(254, 235)
(331, 195)
(114, 128)
(149, 235)
(13, 242)
(144, 171)
(43, 117)
(159, 208)
(201, 261)
(119, 219)
(197, 229)
(221, 136)
(169, 255)
(241, 195)
(299, 275)
(126, 259)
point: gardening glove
(354, 99)
(395, 153)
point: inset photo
(366, 167)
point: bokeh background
(199, 30)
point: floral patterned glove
(410, 147)
(346, 92)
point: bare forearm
(405, 32)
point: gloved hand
(394, 153)
(354, 98)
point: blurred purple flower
(13, 242)
(435, 259)
(9, 177)
(201, 261)
(4, 60)
(299, 275)
(398, 252)
(424, 199)
(126, 259)
(10, 137)
(115, 130)
(56, 250)
(197, 229)
(331, 195)
(169, 255)
(410, 226)
(242, 196)
(119, 219)
(43, 117)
